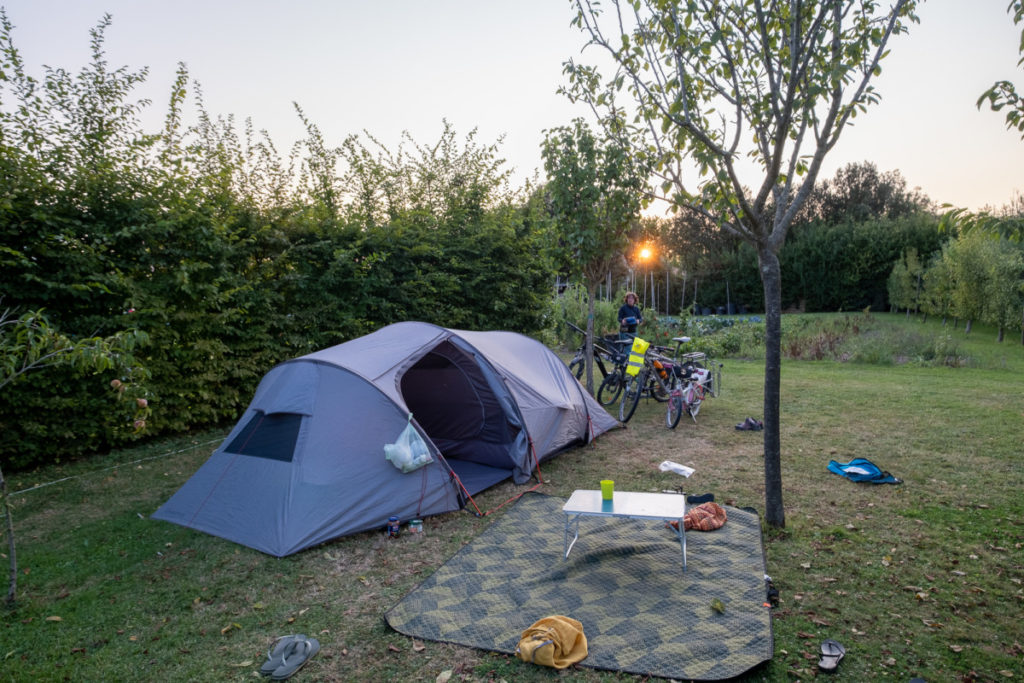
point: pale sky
(392, 65)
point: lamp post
(645, 255)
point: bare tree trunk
(12, 587)
(771, 280)
(1002, 331)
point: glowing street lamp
(645, 255)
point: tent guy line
(114, 467)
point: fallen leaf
(1007, 673)
(956, 648)
(54, 618)
(230, 627)
(805, 565)
(931, 623)
(418, 646)
(717, 605)
(363, 580)
(957, 572)
(303, 611)
(444, 676)
(889, 662)
(242, 665)
(804, 634)
(393, 648)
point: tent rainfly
(306, 462)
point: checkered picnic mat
(623, 580)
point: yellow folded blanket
(555, 641)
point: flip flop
(295, 658)
(832, 652)
(276, 653)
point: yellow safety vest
(636, 356)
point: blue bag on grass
(862, 470)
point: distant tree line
(838, 255)
(977, 275)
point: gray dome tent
(306, 462)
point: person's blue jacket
(629, 317)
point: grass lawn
(921, 579)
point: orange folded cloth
(704, 517)
(555, 641)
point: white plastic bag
(409, 452)
(669, 466)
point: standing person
(629, 316)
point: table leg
(681, 532)
(569, 519)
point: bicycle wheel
(675, 405)
(657, 391)
(611, 388)
(696, 398)
(576, 367)
(715, 384)
(631, 396)
(710, 386)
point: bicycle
(656, 379)
(607, 349)
(682, 380)
(699, 377)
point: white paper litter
(669, 466)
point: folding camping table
(661, 506)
